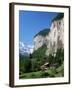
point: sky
(31, 22)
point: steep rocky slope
(53, 37)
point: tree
(59, 58)
(25, 64)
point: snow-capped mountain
(25, 49)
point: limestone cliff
(53, 38)
(40, 38)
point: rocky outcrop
(40, 38)
(54, 39)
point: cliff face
(54, 39)
(38, 41)
(40, 38)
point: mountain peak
(25, 49)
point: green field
(59, 72)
